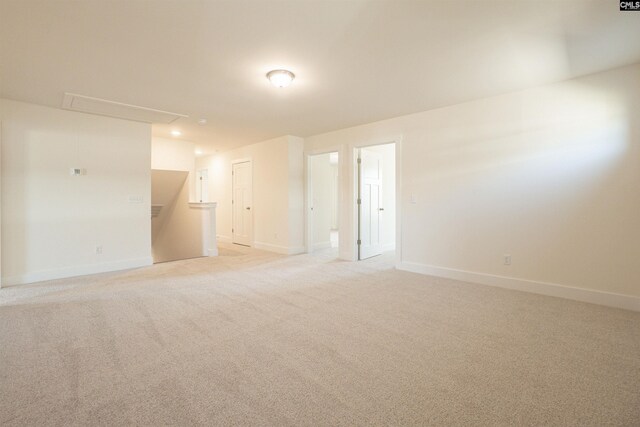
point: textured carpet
(254, 338)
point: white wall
(278, 192)
(175, 155)
(548, 175)
(52, 222)
(296, 194)
(1, 198)
(388, 189)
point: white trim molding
(271, 248)
(296, 250)
(284, 250)
(321, 245)
(203, 205)
(628, 302)
(65, 272)
(224, 239)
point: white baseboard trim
(321, 245)
(628, 302)
(284, 250)
(223, 239)
(271, 248)
(297, 250)
(83, 270)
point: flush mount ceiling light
(280, 78)
(176, 133)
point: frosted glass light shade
(280, 78)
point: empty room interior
(307, 212)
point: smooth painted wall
(1, 281)
(278, 192)
(175, 155)
(548, 175)
(296, 194)
(52, 222)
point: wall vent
(103, 107)
(155, 210)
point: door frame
(354, 193)
(347, 192)
(308, 218)
(235, 162)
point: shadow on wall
(544, 175)
(176, 229)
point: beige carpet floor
(252, 338)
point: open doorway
(176, 228)
(376, 200)
(323, 231)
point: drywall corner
(295, 210)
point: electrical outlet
(507, 259)
(77, 171)
(136, 199)
(412, 199)
(98, 250)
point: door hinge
(359, 242)
(232, 230)
(359, 201)
(359, 160)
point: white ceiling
(355, 61)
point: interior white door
(242, 227)
(369, 208)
